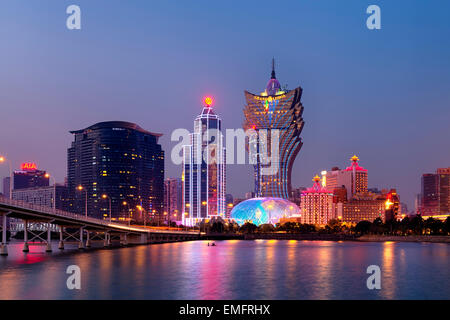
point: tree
(266, 228)
(417, 224)
(363, 227)
(248, 227)
(217, 227)
(434, 226)
(447, 225)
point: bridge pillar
(4, 247)
(81, 243)
(125, 240)
(107, 241)
(25, 236)
(88, 239)
(49, 238)
(61, 238)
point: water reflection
(387, 270)
(264, 269)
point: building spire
(273, 69)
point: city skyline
(374, 90)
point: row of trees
(408, 226)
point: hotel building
(316, 204)
(274, 111)
(203, 174)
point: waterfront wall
(412, 238)
(296, 236)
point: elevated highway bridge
(79, 228)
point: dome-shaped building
(263, 210)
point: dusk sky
(383, 95)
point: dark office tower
(444, 190)
(6, 187)
(117, 161)
(430, 197)
(30, 177)
(274, 109)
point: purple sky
(383, 95)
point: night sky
(382, 94)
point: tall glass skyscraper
(117, 161)
(275, 111)
(203, 174)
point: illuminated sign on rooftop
(28, 166)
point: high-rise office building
(116, 165)
(6, 187)
(274, 112)
(353, 178)
(173, 205)
(204, 169)
(316, 204)
(444, 189)
(30, 177)
(435, 193)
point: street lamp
(2, 160)
(128, 209)
(48, 176)
(105, 196)
(140, 208)
(81, 188)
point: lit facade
(274, 109)
(317, 204)
(263, 211)
(360, 209)
(173, 199)
(435, 193)
(121, 161)
(353, 178)
(204, 178)
(30, 177)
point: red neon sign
(28, 166)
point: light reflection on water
(263, 269)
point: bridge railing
(53, 211)
(82, 218)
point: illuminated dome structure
(263, 210)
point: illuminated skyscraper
(435, 195)
(204, 169)
(274, 109)
(122, 162)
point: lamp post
(48, 176)
(142, 210)
(81, 188)
(128, 210)
(105, 196)
(2, 160)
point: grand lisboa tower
(276, 112)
